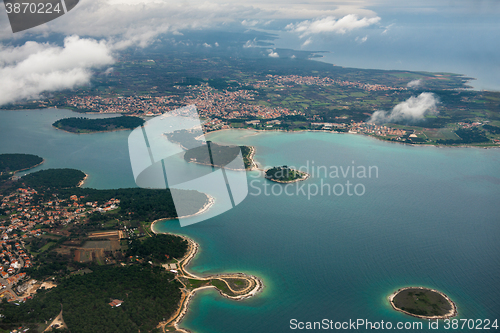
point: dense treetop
(54, 178)
(160, 247)
(217, 155)
(16, 162)
(283, 174)
(149, 294)
(86, 125)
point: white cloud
(31, 69)
(250, 43)
(109, 71)
(207, 45)
(331, 24)
(411, 110)
(361, 40)
(387, 28)
(139, 22)
(414, 83)
(273, 54)
(216, 44)
(251, 23)
(307, 42)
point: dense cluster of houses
(24, 217)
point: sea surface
(428, 217)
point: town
(30, 218)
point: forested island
(219, 155)
(11, 163)
(284, 174)
(423, 303)
(86, 125)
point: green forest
(283, 174)
(217, 155)
(86, 125)
(149, 294)
(161, 247)
(16, 162)
(53, 178)
(141, 204)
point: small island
(85, 125)
(423, 303)
(285, 174)
(219, 156)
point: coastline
(80, 184)
(113, 130)
(254, 165)
(255, 284)
(31, 167)
(362, 134)
(452, 313)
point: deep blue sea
(429, 217)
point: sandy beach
(80, 184)
(206, 206)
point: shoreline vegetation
(412, 295)
(228, 285)
(99, 125)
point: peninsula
(423, 303)
(85, 125)
(236, 286)
(285, 174)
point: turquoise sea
(430, 217)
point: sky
(458, 36)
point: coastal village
(27, 218)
